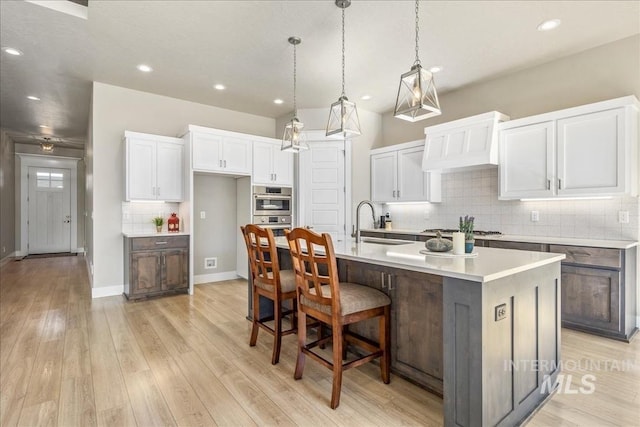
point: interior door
(322, 188)
(49, 207)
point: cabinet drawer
(146, 243)
(589, 256)
(522, 246)
(400, 236)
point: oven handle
(271, 197)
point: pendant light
(293, 138)
(417, 97)
(343, 116)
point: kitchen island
(483, 331)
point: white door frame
(321, 136)
(34, 160)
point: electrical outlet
(535, 216)
(501, 312)
(210, 263)
(203, 214)
(623, 217)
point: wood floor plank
(77, 404)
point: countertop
(569, 241)
(154, 234)
(490, 264)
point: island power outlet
(501, 312)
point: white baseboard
(78, 250)
(215, 277)
(107, 291)
(8, 258)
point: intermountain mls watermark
(585, 383)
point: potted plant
(158, 221)
(466, 227)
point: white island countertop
(568, 241)
(490, 263)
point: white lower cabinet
(154, 167)
(397, 175)
(271, 165)
(586, 151)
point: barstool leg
(337, 367)
(302, 341)
(277, 331)
(256, 316)
(385, 343)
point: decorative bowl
(438, 244)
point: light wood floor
(68, 360)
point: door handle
(225, 163)
(161, 243)
(394, 194)
(389, 282)
(157, 191)
(220, 163)
(398, 194)
(559, 184)
(382, 278)
(548, 184)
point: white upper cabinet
(527, 161)
(271, 165)
(221, 152)
(154, 167)
(585, 151)
(397, 175)
(465, 143)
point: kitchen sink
(379, 241)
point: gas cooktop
(450, 230)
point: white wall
(7, 196)
(114, 110)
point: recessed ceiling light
(44, 126)
(549, 24)
(220, 86)
(436, 69)
(365, 97)
(144, 68)
(278, 101)
(33, 98)
(12, 51)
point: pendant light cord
(417, 33)
(295, 107)
(343, 52)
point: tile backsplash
(475, 193)
(137, 216)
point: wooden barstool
(270, 282)
(321, 296)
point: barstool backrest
(263, 257)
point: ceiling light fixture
(12, 51)
(549, 24)
(278, 101)
(343, 116)
(44, 126)
(33, 98)
(417, 97)
(47, 145)
(219, 86)
(144, 68)
(293, 138)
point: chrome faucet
(356, 232)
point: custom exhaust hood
(464, 144)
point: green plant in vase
(466, 227)
(158, 221)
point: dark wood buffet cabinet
(599, 285)
(156, 265)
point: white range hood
(465, 144)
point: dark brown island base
(483, 332)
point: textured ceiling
(192, 45)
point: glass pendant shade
(343, 119)
(417, 97)
(294, 139)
